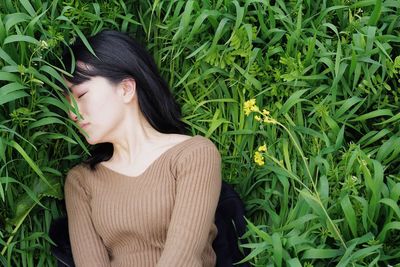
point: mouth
(84, 125)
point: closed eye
(82, 95)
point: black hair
(118, 57)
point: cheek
(94, 103)
(106, 109)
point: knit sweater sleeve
(87, 247)
(198, 185)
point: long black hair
(118, 57)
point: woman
(148, 194)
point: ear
(127, 89)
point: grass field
(300, 97)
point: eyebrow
(68, 91)
(73, 87)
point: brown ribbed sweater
(163, 217)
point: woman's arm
(87, 247)
(197, 193)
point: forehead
(79, 66)
(68, 83)
(75, 87)
(70, 88)
(98, 82)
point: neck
(134, 137)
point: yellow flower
(269, 120)
(255, 108)
(43, 45)
(265, 112)
(258, 158)
(249, 106)
(257, 118)
(262, 148)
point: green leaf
(20, 38)
(346, 105)
(6, 57)
(320, 253)
(349, 213)
(200, 20)
(264, 235)
(376, 13)
(28, 7)
(15, 18)
(10, 88)
(292, 100)
(374, 114)
(30, 162)
(389, 226)
(185, 20)
(277, 249)
(392, 204)
(45, 121)
(12, 97)
(313, 202)
(83, 38)
(10, 77)
(294, 262)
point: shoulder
(77, 175)
(78, 170)
(198, 144)
(198, 160)
(198, 150)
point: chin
(97, 138)
(92, 141)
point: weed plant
(301, 98)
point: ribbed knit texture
(163, 217)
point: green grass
(328, 71)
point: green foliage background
(327, 70)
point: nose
(73, 111)
(72, 115)
(71, 108)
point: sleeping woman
(147, 195)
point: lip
(83, 125)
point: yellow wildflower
(255, 108)
(257, 118)
(269, 120)
(262, 148)
(258, 158)
(265, 112)
(249, 106)
(43, 45)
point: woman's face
(100, 107)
